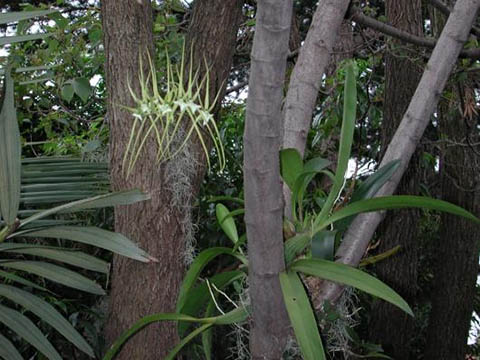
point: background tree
(456, 253)
(163, 224)
(388, 326)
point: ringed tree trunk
(263, 185)
(456, 258)
(162, 225)
(389, 326)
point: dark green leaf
(104, 239)
(323, 244)
(111, 199)
(10, 155)
(374, 182)
(7, 350)
(199, 295)
(207, 335)
(67, 92)
(234, 316)
(346, 139)
(369, 188)
(301, 317)
(67, 256)
(57, 274)
(196, 268)
(397, 202)
(291, 165)
(348, 275)
(20, 38)
(226, 222)
(20, 280)
(27, 330)
(295, 246)
(82, 88)
(14, 16)
(47, 313)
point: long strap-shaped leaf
(200, 295)
(47, 313)
(26, 329)
(7, 350)
(196, 268)
(112, 199)
(9, 154)
(301, 316)
(56, 273)
(67, 256)
(20, 38)
(396, 202)
(10, 277)
(346, 139)
(348, 275)
(235, 316)
(15, 16)
(104, 239)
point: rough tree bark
(389, 326)
(456, 256)
(162, 225)
(263, 186)
(410, 130)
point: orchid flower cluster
(177, 107)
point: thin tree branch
(355, 14)
(445, 10)
(237, 87)
(409, 133)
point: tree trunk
(410, 130)
(308, 72)
(343, 49)
(455, 274)
(263, 185)
(457, 252)
(162, 225)
(389, 326)
(314, 56)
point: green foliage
(18, 255)
(60, 89)
(232, 317)
(329, 215)
(301, 316)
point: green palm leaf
(55, 273)
(100, 238)
(9, 155)
(27, 330)
(15, 16)
(67, 256)
(47, 313)
(7, 350)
